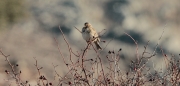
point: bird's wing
(83, 29)
(95, 34)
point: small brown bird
(90, 35)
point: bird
(90, 35)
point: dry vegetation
(90, 72)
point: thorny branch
(137, 54)
(114, 77)
(14, 74)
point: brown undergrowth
(90, 72)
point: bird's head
(86, 24)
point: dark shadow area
(122, 57)
(56, 31)
(126, 39)
(68, 4)
(136, 36)
(13, 63)
(60, 15)
(159, 51)
(113, 12)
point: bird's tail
(98, 46)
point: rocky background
(28, 29)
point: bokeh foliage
(10, 12)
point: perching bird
(90, 35)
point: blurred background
(28, 28)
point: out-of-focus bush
(11, 11)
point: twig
(137, 55)
(78, 29)
(55, 70)
(83, 55)
(154, 52)
(108, 43)
(101, 32)
(165, 57)
(15, 75)
(60, 50)
(38, 69)
(159, 40)
(102, 70)
(70, 50)
(101, 66)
